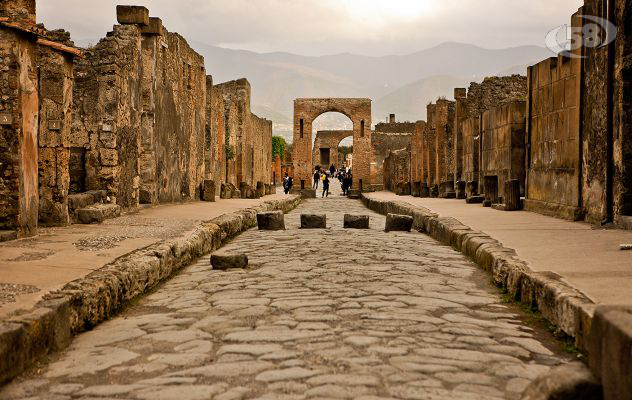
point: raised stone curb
(560, 303)
(82, 304)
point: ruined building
(132, 120)
(558, 141)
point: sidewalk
(32, 267)
(585, 257)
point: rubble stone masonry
(135, 120)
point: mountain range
(400, 84)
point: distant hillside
(399, 84)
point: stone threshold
(82, 304)
(560, 303)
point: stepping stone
(98, 213)
(208, 193)
(313, 221)
(271, 221)
(475, 199)
(354, 194)
(226, 261)
(356, 221)
(397, 222)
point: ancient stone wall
(417, 155)
(460, 115)
(173, 117)
(215, 136)
(429, 145)
(553, 137)
(396, 171)
(622, 118)
(388, 137)
(444, 132)
(471, 152)
(503, 145)
(106, 116)
(277, 174)
(55, 120)
(262, 154)
(19, 195)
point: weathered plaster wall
(471, 151)
(174, 119)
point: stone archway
(358, 111)
(330, 140)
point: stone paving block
(271, 221)
(313, 221)
(398, 222)
(226, 261)
(356, 221)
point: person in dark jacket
(326, 186)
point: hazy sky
(318, 27)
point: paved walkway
(32, 267)
(586, 257)
(329, 313)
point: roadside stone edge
(82, 304)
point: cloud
(318, 27)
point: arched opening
(345, 153)
(330, 130)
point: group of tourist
(320, 175)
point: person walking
(326, 186)
(332, 170)
(316, 179)
(287, 183)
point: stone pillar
(19, 114)
(491, 190)
(512, 195)
(391, 118)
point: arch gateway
(358, 110)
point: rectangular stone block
(313, 221)
(356, 221)
(397, 222)
(132, 15)
(271, 221)
(609, 347)
(154, 27)
(226, 261)
(208, 192)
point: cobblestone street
(332, 313)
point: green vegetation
(344, 150)
(278, 147)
